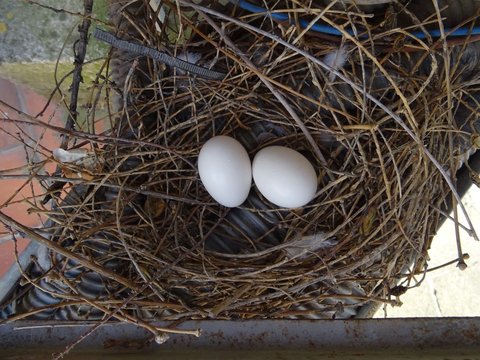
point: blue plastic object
(330, 30)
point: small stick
(87, 136)
(369, 96)
(275, 93)
(33, 235)
(80, 51)
(461, 263)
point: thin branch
(358, 88)
(33, 235)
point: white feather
(309, 244)
(336, 60)
(65, 156)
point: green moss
(41, 78)
(100, 9)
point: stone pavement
(30, 33)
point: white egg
(225, 170)
(284, 176)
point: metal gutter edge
(10, 279)
(278, 335)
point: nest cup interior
(379, 198)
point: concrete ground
(31, 33)
(448, 291)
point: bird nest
(385, 115)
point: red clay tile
(8, 94)
(13, 156)
(45, 139)
(7, 254)
(101, 125)
(49, 166)
(17, 205)
(7, 134)
(34, 104)
(17, 208)
(13, 159)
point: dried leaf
(154, 206)
(77, 173)
(336, 60)
(368, 221)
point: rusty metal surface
(381, 335)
